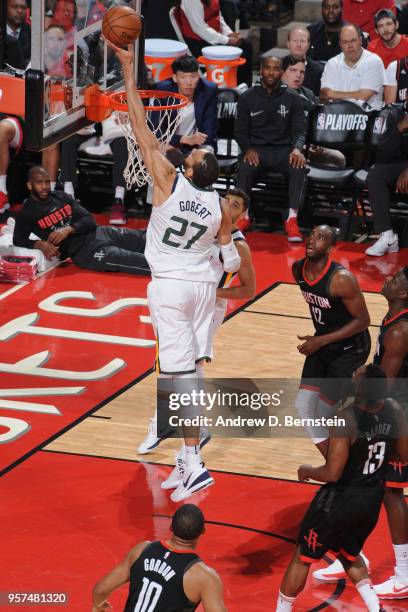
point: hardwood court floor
(258, 342)
(70, 516)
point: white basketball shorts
(218, 318)
(182, 313)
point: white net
(163, 122)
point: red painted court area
(81, 514)
(65, 520)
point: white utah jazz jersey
(181, 232)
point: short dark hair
(35, 170)
(290, 60)
(333, 233)
(405, 271)
(206, 172)
(188, 522)
(264, 58)
(186, 63)
(384, 14)
(375, 384)
(239, 193)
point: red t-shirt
(362, 13)
(389, 55)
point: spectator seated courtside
(66, 229)
(202, 24)
(355, 73)
(198, 124)
(389, 45)
(270, 130)
(293, 76)
(298, 44)
(324, 34)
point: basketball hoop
(163, 116)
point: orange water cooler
(160, 53)
(222, 62)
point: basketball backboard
(68, 54)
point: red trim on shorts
(319, 278)
(308, 559)
(396, 485)
(309, 387)
(347, 556)
(327, 400)
(176, 550)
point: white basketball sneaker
(393, 588)
(194, 479)
(383, 245)
(335, 571)
(152, 440)
(176, 476)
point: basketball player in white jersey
(238, 202)
(186, 217)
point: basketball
(121, 25)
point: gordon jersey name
(160, 567)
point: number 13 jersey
(181, 232)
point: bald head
(350, 43)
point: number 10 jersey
(181, 232)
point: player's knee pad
(306, 405)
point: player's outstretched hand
(303, 472)
(310, 345)
(224, 233)
(126, 56)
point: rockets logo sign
(66, 352)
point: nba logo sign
(379, 125)
(321, 121)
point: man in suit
(18, 39)
(198, 124)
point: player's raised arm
(158, 166)
(230, 255)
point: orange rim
(117, 100)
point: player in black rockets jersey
(66, 229)
(340, 317)
(392, 356)
(166, 576)
(344, 511)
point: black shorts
(339, 521)
(324, 370)
(396, 475)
